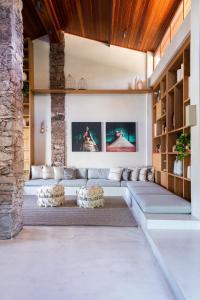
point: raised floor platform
(177, 253)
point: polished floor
(79, 263)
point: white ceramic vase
(133, 83)
(175, 164)
(179, 167)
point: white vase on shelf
(175, 166)
(139, 84)
(179, 167)
(133, 83)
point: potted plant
(183, 149)
(25, 89)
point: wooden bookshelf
(28, 107)
(170, 97)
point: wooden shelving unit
(170, 97)
(65, 91)
(28, 107)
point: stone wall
(57, 81)
(11, 118)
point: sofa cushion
(145, 184)
(115, 174)
(73, 182)
(143, 174)
(69, 173)
(41, 182)
(81, 173)
(58, 172)
(126, 174)
(97, 173)
(124, 183)
(163, 204)
(103, 182)
(134, 174)
(157, 190)
(36, 172)
(48, 172)
(150, 174)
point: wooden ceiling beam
(48, 18)
(112, 15)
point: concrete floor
(79, 263)
(180, 250)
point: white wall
(107, 108)
(195, 99)
(42, 151)
(41, 63)
(104, 68)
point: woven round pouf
(90, 197)
(51, 195)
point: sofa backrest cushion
(115, 174)
(134, 174)
(36, 172)
(58, 173)
(143, 174)
(98, 173)
(81, 173)
(47, 172)
(150, 174)
(126, 174)
(69, 173)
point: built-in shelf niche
(171, 93)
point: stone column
(57, 81)
(11, 118)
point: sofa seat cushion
(124, 183)
(163, 204)
(73, 182)
(41, 182)
(145, 184)
(103, 182)
(157, 190)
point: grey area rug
(114, 213)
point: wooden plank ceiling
(133, 24)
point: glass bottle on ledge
(70, 82)
(82, 84)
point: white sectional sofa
(149, 197)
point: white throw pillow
(48, 172)
(135, 174)
(143, 174)
(36, 172)
(115, 174)
(58, 172)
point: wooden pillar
(11, 118)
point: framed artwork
(86, 137)
(121, 137)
